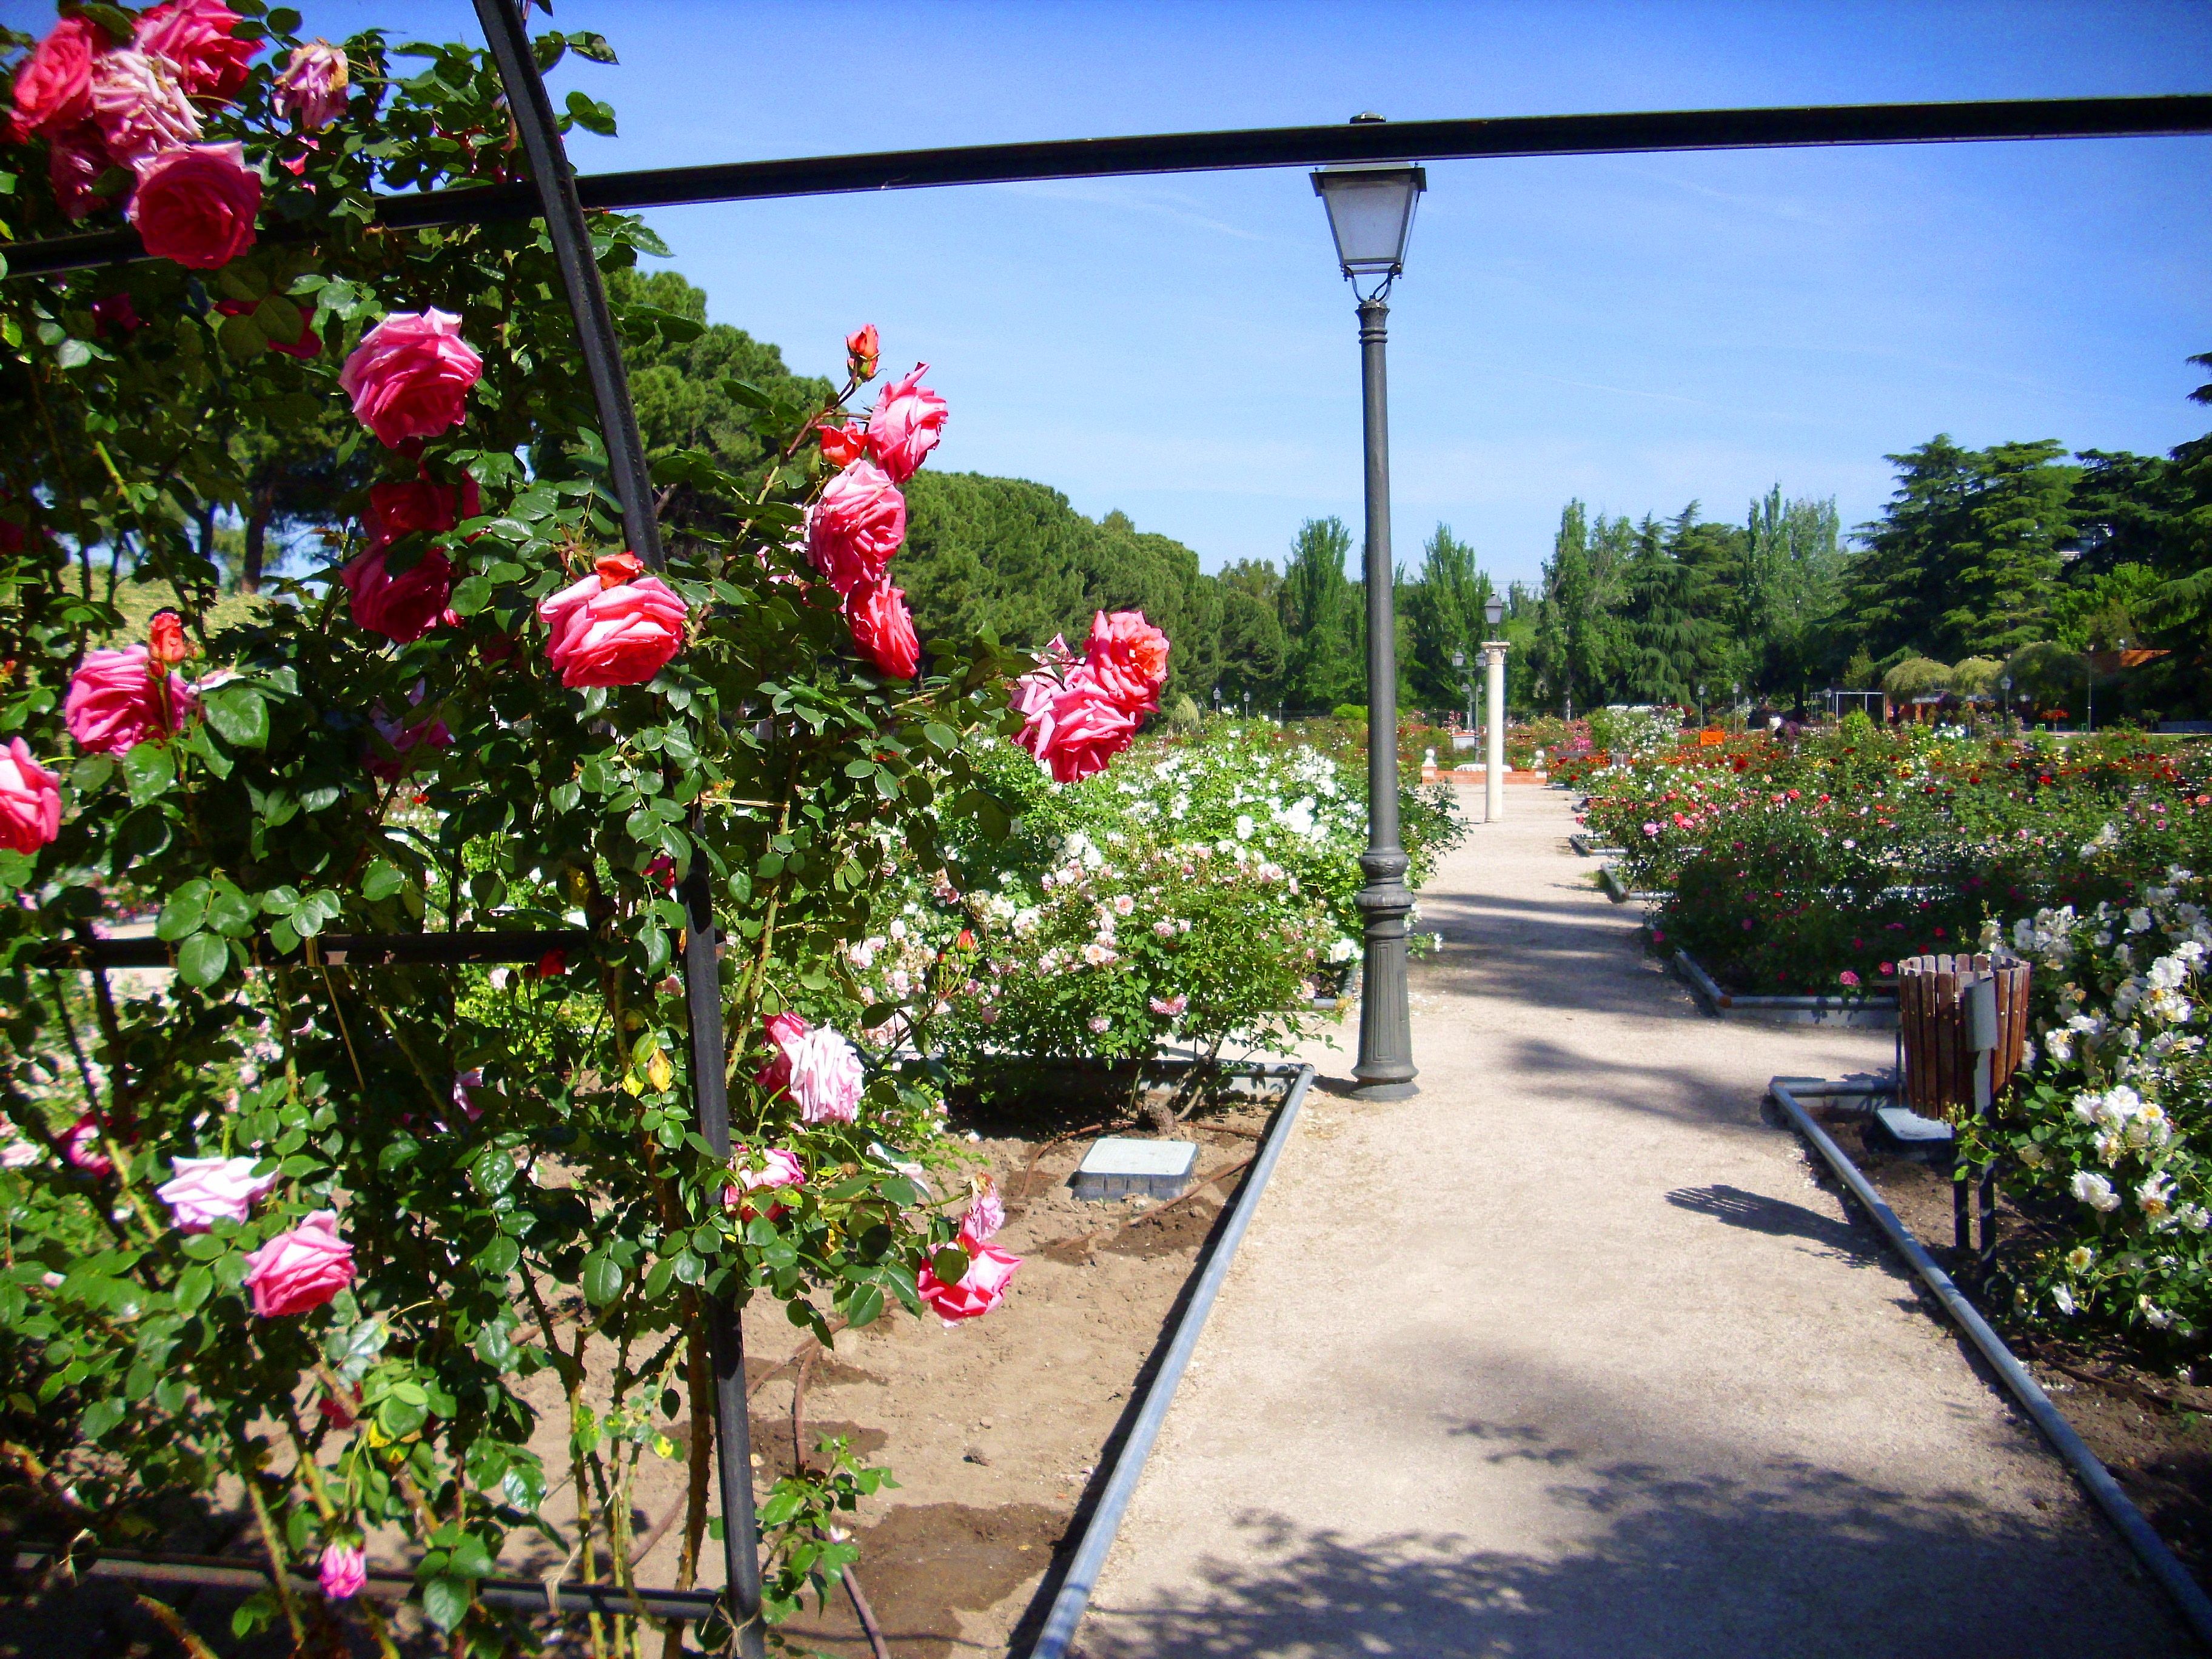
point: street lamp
(2005, 689)
(1371, 213)
(1493, 750)
(1459, 667)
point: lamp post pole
(1385, 1069)
(1493, 767)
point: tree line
(2020, 557)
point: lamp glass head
(1371, 213)
(1493, 611)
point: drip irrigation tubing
(1626, 132)
(1089, 1558)
(2188, 1597)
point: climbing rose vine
(399, 1250)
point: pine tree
(1320, 614)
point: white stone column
(1493, 771)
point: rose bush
(322, 1234)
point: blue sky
(1636, 331)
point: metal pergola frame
(557, 196)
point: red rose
(195, 204)
(883, 629)
(166, 644)
(54, 85)
(856, 526)
(841, 446)
(195, 36)
(401, 510)
(114, 313)
(862, 348)
(403, 606)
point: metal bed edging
(1099, 1533)
(385, 1584)
(2160, 1562)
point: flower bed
(1809, 869)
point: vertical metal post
(535, 122)
(1493, 756)
(1386, 1069)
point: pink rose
(140, 107)
(195, 36)
(311, 90)
(981, 1288)
(404, 739)
(780, 1168)
(75, 158)
(300, 1268)
(1077, 730)
(15, 1152)
(401, 607)
(615, 626)
(466, 1084)
(1128, 659)
(81, 1146)
(410, 377)
(206, 1190)
(841, 446)
(883, 629)
(1170, 1007)
(856, 526)
(1848, 977)
(196, 205)
(119, 699)
(344, 1571)
(30, 800)
(904, 426)
(53, 85)
(985, 1215)
(818, 1068)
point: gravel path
(1570, 1356)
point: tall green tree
(1444, 613)
(1320, 618)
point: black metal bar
(1638, 131)
(385, 1584)
(510, 38)
(555, 199)
(337, 950)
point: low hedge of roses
(1810, 867)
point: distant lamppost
(1467, 685)
(1371, 213)
(1493, 750)
(2004, 687)
(1701, 704)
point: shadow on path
(1777, 1218)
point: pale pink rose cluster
(206, 1190)
(818, 1068)
(104, 104)
(777, 1167)
(857, 524)
(1077, 716)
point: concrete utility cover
(1116, 1167)
(1908, 1125)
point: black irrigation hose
(1626, 133)
(2160, 1562)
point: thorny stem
(282, 1574)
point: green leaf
(590, 115)
(603, 1279)
(241, 339)
(184, 913)
(229, 910)
(100, 1416)
(382, 880)
(149, 769)
(202, 959)
(278, 318)
(445, 1600)
(74, 353)
(950, 1263)
(471, 596)
(240, 714)
(867, 1303)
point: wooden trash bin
(1939, 1057)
